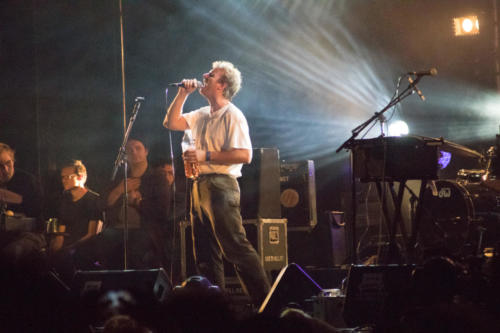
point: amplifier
(298, 194)
(268, 237)
(260, 185)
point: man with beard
(147, 213)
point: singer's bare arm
(233, 156)
(174, 119)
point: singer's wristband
(207, 156)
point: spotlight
(466, 25)
(398, 128)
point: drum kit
(462, 215)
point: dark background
(312, 71)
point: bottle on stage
(192, 170)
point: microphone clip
(413, 85)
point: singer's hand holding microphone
(189, 85)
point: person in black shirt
(79, 220)
(79, 213)
(147, 214)
(20, 200)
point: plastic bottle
(191, 169)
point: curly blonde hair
(232, 76)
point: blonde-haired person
(232, 77)
(223, 145)
(79, 221)
(80, 217)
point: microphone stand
(121, 159)
(349, 145)
(173, 200)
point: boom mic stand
(121, 159)
(349, 145)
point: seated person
(147, 215)
(20, 196)
(79, 215)
(79, 220)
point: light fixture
(398, 128)
(466, 25)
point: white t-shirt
(225, 129)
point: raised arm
(174, 119)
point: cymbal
(10, 197)
(451, 147)
(460, 150)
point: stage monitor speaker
(376, 294)
(148, 286)
(293, 285)
(260, 185)
(298, 194)
(323, 246)
(267, 236)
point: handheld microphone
(430, 72)
(199, 84)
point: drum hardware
(461, 216)
(491, 160)
(432, 185)
(481, 231)
(474, 176)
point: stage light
(398, 128)
(467, 25)
(444, 159)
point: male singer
(222, 144)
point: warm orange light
(467, 25)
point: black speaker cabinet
(268, 237)
(298, 194)
(146, 285)
(323, 246)
(377, 294)
(260, 185)
(293, 285)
